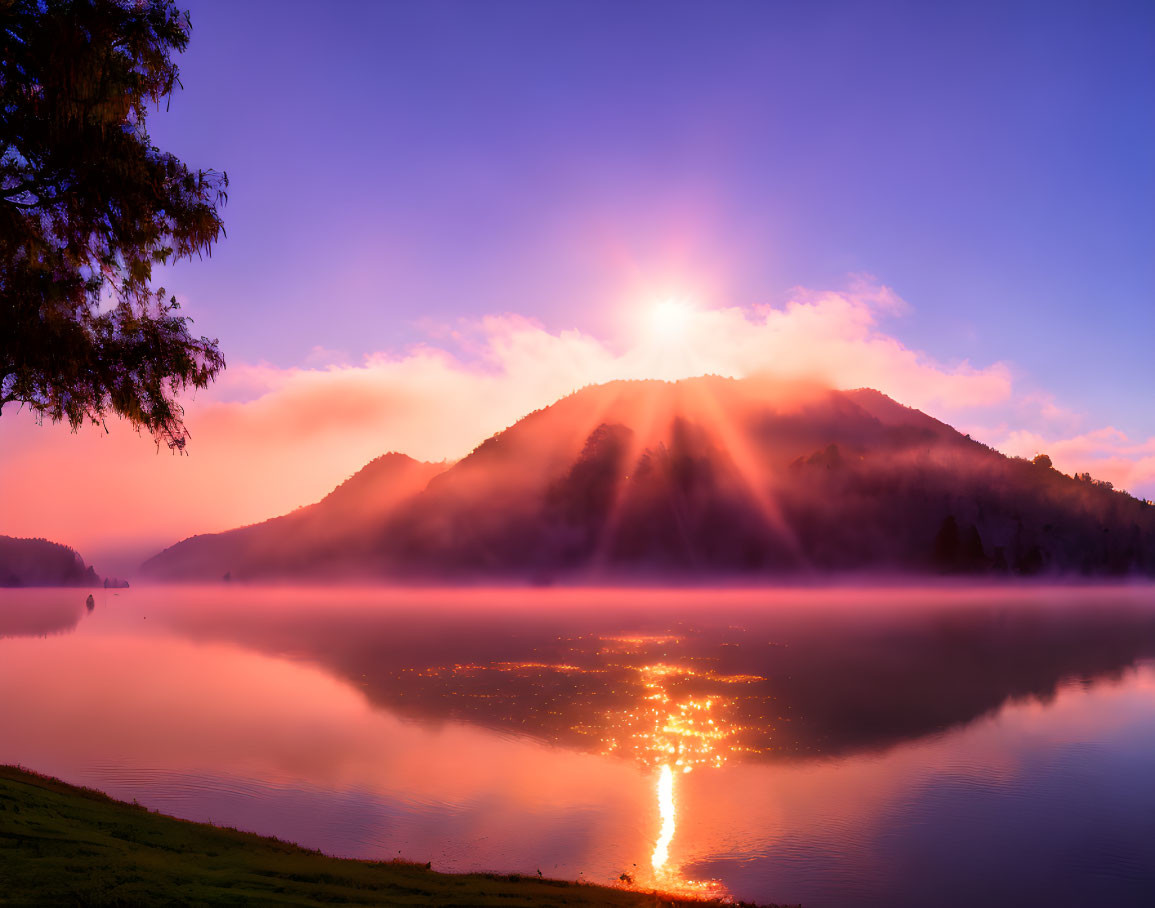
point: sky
(444, 215)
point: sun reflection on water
(671, 713)
(676, 734)
(668, 810)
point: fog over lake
(837, 747)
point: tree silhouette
(972, 556)
(87, 207)
(946, 545)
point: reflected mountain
(42, 614)
(705, 678)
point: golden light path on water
(677, 735)
(676, 722)
(667, 810)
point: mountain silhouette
(701, 477)
(40, 562)
(328, 537)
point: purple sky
(399, 162)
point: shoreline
(63, 844)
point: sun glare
(669, 320)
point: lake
(835, 747)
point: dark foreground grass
(63, 845)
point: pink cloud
(1105, 453)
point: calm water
(835, 748)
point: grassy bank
(62, 845)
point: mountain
(327, 537)
(708, 477)
(38, 562)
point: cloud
(1105, 453)
(832, 337)
(267, 439)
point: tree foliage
(88, 206)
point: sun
(669, 321)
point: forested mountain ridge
(39, 562)
(329, 536)
(714, 477)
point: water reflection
(798, 676)
(668, 812)
(730, 721)
(676, 736)
(675, 685)
(39, 613)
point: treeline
(685, 506)
(967, 509)
(40, 562)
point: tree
(946, 545)
(87, 207)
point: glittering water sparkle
(667, 811)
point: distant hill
(702, 477)
(38, 562)
(327, 538)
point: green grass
(63, 845)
